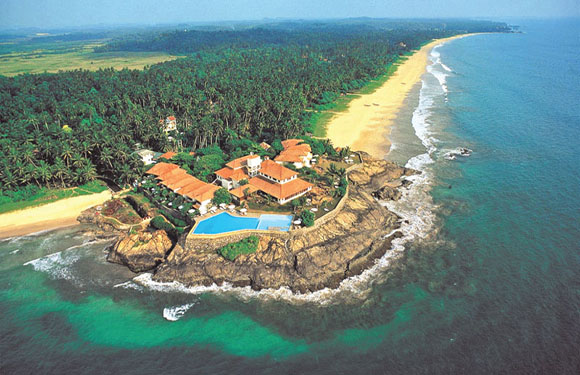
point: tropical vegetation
(247, 245)
(233, 90)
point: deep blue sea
(487, 280)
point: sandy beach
(366, 124)
(62, 213)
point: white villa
(170, 124)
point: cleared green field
(51, 58)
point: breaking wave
(58, 265)
(174, 313)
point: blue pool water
(226, 222)
(275, 222)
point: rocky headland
(342, 243)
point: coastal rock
(387, 193)
(308, 259)
(142, 251)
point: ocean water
(486, 280)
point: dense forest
(233, 89)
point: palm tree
(60, 171)
(78, 161)
(44, 172)
(66, 153)
(89, 172)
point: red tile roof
(204, 193)
(182, 183)
(239, 191)
(232, 174)
(294, 151)
(291, 142)
(161, 168)
(272, 169)
(281, 191)
(171, 118)
(191, 187)
(240, 162)
(172, 177)
(168, 155)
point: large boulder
(387, 193)
(142, 251)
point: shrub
(175, 221)
(342, 185)
(307, 218)
(248, 245)
(159, 222)
(178, 201)
(222, 196)
(277, 146)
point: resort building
(170, 124)
(296, 152)
(265, 146)
(237, 170)
(147, 156)
(241, 193)
(279, 182)
(180, 182)
(266, 176)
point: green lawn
(52, 195)
(52, 57)
(318, 122)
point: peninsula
(219, 172)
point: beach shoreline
(55, 215)
(366, 124)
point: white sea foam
(441, 76)
(129, 285)
(174, 313)
(446, 67)
(452, 154)
(58, 265)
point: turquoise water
(488, 283)
(226, 222)
(275, 222)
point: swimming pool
(226, 222)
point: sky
(65, 13)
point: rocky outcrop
(307, 259)
(387, 193)
(142, 251)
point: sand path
(367, 122)
(53, 215)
